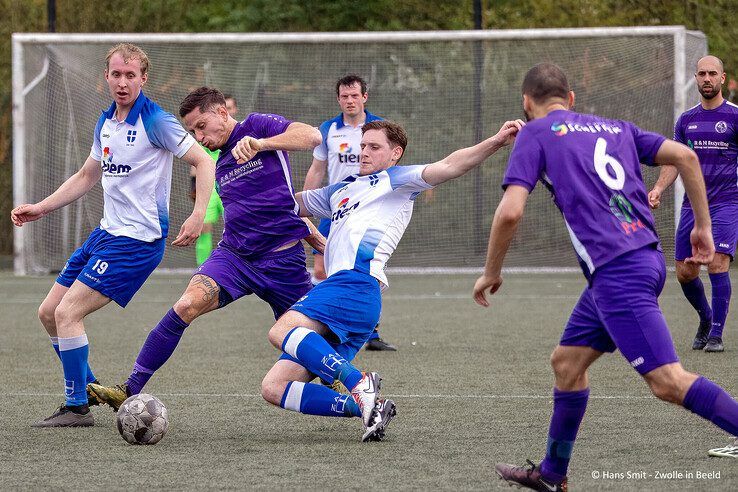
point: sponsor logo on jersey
(346, 155)
(343, 209)
(561, 129)
(109, 167)
(721, 127)
(623, 210)
(692, 127)
(637, 362)
(723, 245)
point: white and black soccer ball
(142, 419)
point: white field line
(409, 396)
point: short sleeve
(321, 151)
(408, 178)
(267, 125)
(96, 150)
(166, 132)
(526, 163)
(679, 131)
(647, 144)
(318, 202)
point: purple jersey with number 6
(591, 166)
(260, 211)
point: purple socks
(721, 291)
(156, 350)
(569, 407)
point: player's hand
(654, 197)
(703, 247)
(508, 131)
(483, 285)
(26, 213)
(315, 239)
(189, 232)
(246, 149)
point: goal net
(448, 89)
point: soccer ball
(142, 419)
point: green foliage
(714, 17)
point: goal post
(423, 80)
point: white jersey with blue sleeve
(136, 159)
(369, 215)
(341, 147)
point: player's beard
(710, 93)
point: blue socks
(711, 402)
(55, 343)
(316, 399)
(156, 350)
(318, 357)
(73, 353)
(569, 407)
(694, 291)
(721, 291)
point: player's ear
(572, 98)
(144, 78)
(397, 153)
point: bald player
(711, 130)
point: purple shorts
(279, 278)
(620, 310)
(724, 230)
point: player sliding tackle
(369, 212)
(591, 166)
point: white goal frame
(21, 87)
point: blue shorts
(279, 278)
(115, 266)
(620, 310)
(325, 228)
(349, 304)
(724, 230)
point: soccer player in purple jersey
(711, 130)
(260, 252)
(591, 166)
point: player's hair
(205, 98)
(128, 51)
(545, 81)
(394, 132)
(350, 80)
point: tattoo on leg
(206, 286)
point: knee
(276, 336)
(63, 316)
(272, 390)
(686, 274)
(188, 307)
(567, 372)
(46, 315)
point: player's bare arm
(298, 136)
(204, 168)
(316, 240)
(667, 175)
(504, 224)
(73, 188)
(315, 175)
(688, 166)
(463, 160)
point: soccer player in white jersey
(132, 154)
(338, 155)
(369, 212)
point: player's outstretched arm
(73, 188)
(204, 177)
(688, 165)
(297, 136)
(315, 175)
(463, 160)
(504, 224)
(667, 175)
